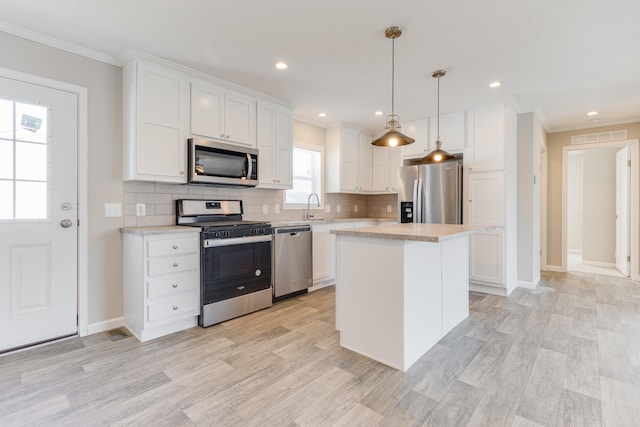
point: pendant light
(438, 155)
(393, 138)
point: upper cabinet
(275, 143)
(223, 114)
(452, 132)
(155, 123)
(487, 135)
(349, 160)
(386, 161)
(418, 130)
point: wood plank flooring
(564, 354)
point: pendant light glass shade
(437, 155)
(393, 138)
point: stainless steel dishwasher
(292, 266)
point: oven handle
(236, 241)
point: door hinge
(629, 163)
(628, 258)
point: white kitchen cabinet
(452, 132)
(155, 123)
(491, 197)
(161, 282)
(324, 250)
(223, 114)
(386, 161)
(418, 130)
(275, 144)
(487, 138)
(348, 161)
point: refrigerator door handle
(415, 200)
(419, 192)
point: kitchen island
(400, 288)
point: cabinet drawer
(172, 264)
(174, 284)
(179, 304)
(182, 245)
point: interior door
(622, 210)
(38, 214)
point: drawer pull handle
(240, 288)
(175, 307)
(175, 264)
(175, 285)
(175, 246)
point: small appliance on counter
(235, 266)
(430, 193)
(292, 261)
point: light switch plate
(355, 208)
(265, 209)
(112, 210)
(338, 208)
(388, 208)
(276, 209)
(141, 209)
(327, 208)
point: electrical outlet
(388, 208)
(112, 210)
(265, 209)
(355, 208)
(327, 208)
(141, 209)
(277, 208)
(338, 208)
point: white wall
(574, 202)
(599, 209)
(104, 84)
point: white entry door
(622, 210)
(38, 213)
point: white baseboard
(105, 325)
(554, 268)
(488, 289)
(599, 264)
(528, 285)
(574, 251)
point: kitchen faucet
(309, 214)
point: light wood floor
(566, 353)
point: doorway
(598, 203)
(40, 131)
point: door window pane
(6, 160)
(6, 119)
(31, 161)
(31, 200)
(6, 195)
(31, 123)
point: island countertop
(411, 231)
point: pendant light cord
(393, 74)
(438, 110)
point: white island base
(396, 297)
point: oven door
(234, 267)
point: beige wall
(555, 142)
(104, 84)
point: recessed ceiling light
(322, 114)
(281, 66)
(495, 84)
(592, 113)
(378, 113)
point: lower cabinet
(324, 250)
(486, 261)
(161, 282)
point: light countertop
(318, 221)
(162, 229)
(419, 232)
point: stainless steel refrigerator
(430, 193)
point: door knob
(66, 223)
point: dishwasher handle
(292, 231)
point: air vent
(616, 135)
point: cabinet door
(452, 131)
(380, 179)
(239, 119)
(394, 163)
(485, 198)
(207, 110)
(418, 130)
(487, 138)
(265, 133)
(284, 147)
(349, 160)
(365, 165)
(160, 143)
(486, 261)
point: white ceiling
(561, 58)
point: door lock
(66, 223)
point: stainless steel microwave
(217, 163)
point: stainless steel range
(235, 258)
